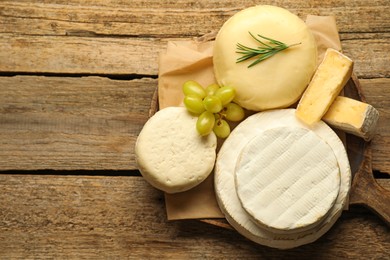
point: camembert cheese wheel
(224, 180)
(278, 81)
(170, 153)
(287, 179)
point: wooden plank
(118, 38)
(369, 62)
(71, 123)
(82, 55)
(168, 18)
(123, 217)
(92, 122)
(97, 55)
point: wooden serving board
(365, 190)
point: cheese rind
(328, 80)
(287, 179)
(170, 153)
(278, 81)
(352, 116)
(226, 195)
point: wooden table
(76, 85)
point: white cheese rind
(278, 81)
(353, 116)
(170, 153)
(287, 179)
(225, 186)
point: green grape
(226, 94)
(211, 89)
(234, 112)
(193, 88)
(218, 116)
(212, 104)
(194, 104)
(221, 129)
(205, 123)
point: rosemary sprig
(262, 52)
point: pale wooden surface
(69, 123)
(76, 82)
(118, 217)
(55, 116)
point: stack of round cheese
(279, 182)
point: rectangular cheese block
(352, 116)
(329, 79)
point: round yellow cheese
(278, 81)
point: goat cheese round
(287, 179)
(276, 82)
(170, 153)
(224, 180)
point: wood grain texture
(81, 55)
(377, 93)
(92, 122)
(71, 36)
(71, 123)
(97, 55)
(170, 18)
(123, 217)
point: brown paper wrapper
(192, 60)
(183, 60)
(325, 32)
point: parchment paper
(192, 60)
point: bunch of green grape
(213, 105)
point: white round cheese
(287, 179)
(278, 81)
(225, 184)
(170, 153)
